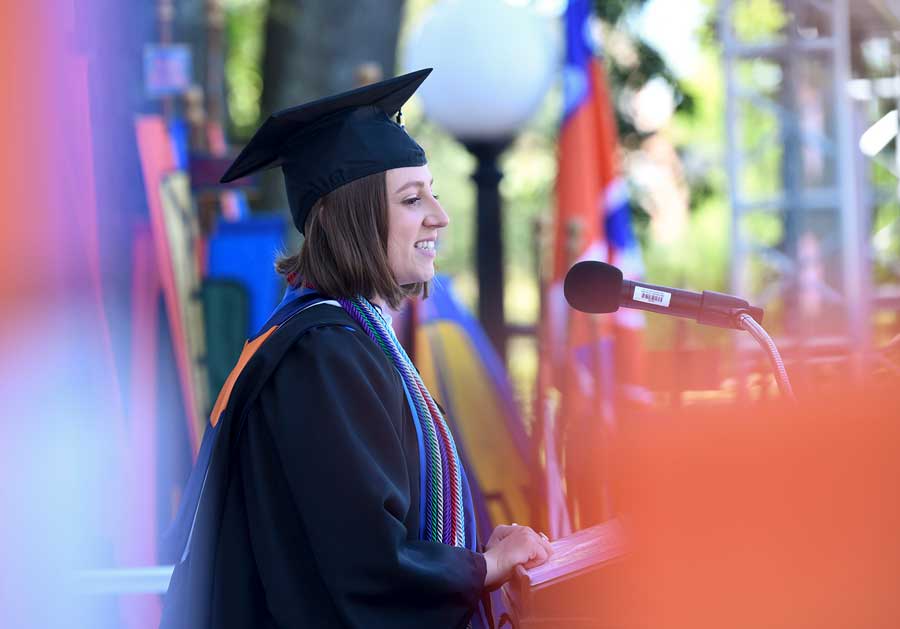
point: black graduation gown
(310, 512)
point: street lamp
(493, 61)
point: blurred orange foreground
(769, 516)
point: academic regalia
(307, 504)
(312, 519)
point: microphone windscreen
(594, 287)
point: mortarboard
(332, 141)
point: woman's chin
(419, 277)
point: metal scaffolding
(800, 188)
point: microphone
(597, 287)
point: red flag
(592, 223)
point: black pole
(489, 240)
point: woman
(334, 495)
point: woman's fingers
(537, 556)
(533, 548)
(540, 550)
(524, 530)
(499, 534)
(514, 545)
(545, 542)
(539, 538)
(538, 541)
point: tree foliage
(308, 49)
(633, 72)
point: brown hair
(344, 253)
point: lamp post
(489, 238)
(493, 62)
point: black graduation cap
(326, 143)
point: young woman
(334, 495)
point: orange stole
(247, 353)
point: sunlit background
(744, 146)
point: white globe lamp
(493, 62)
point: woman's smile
(415, 217)
(427, 248)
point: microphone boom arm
(708, 307)
(762, 337)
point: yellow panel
(478, 416)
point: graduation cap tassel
(400, 119)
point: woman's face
(414, 218)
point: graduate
(328, 491)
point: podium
(581, 586)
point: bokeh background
(740, 146)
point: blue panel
(244, 251)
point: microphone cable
(762, 337)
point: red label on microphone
(649, 296)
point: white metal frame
(842, 196)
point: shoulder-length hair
(344, 253)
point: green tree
(285, 52)
(314, 47)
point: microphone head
(594, 287)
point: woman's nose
(438, 217)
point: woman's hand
(499, 534)
(510, 546)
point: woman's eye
(435, 196)
(412, 200)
